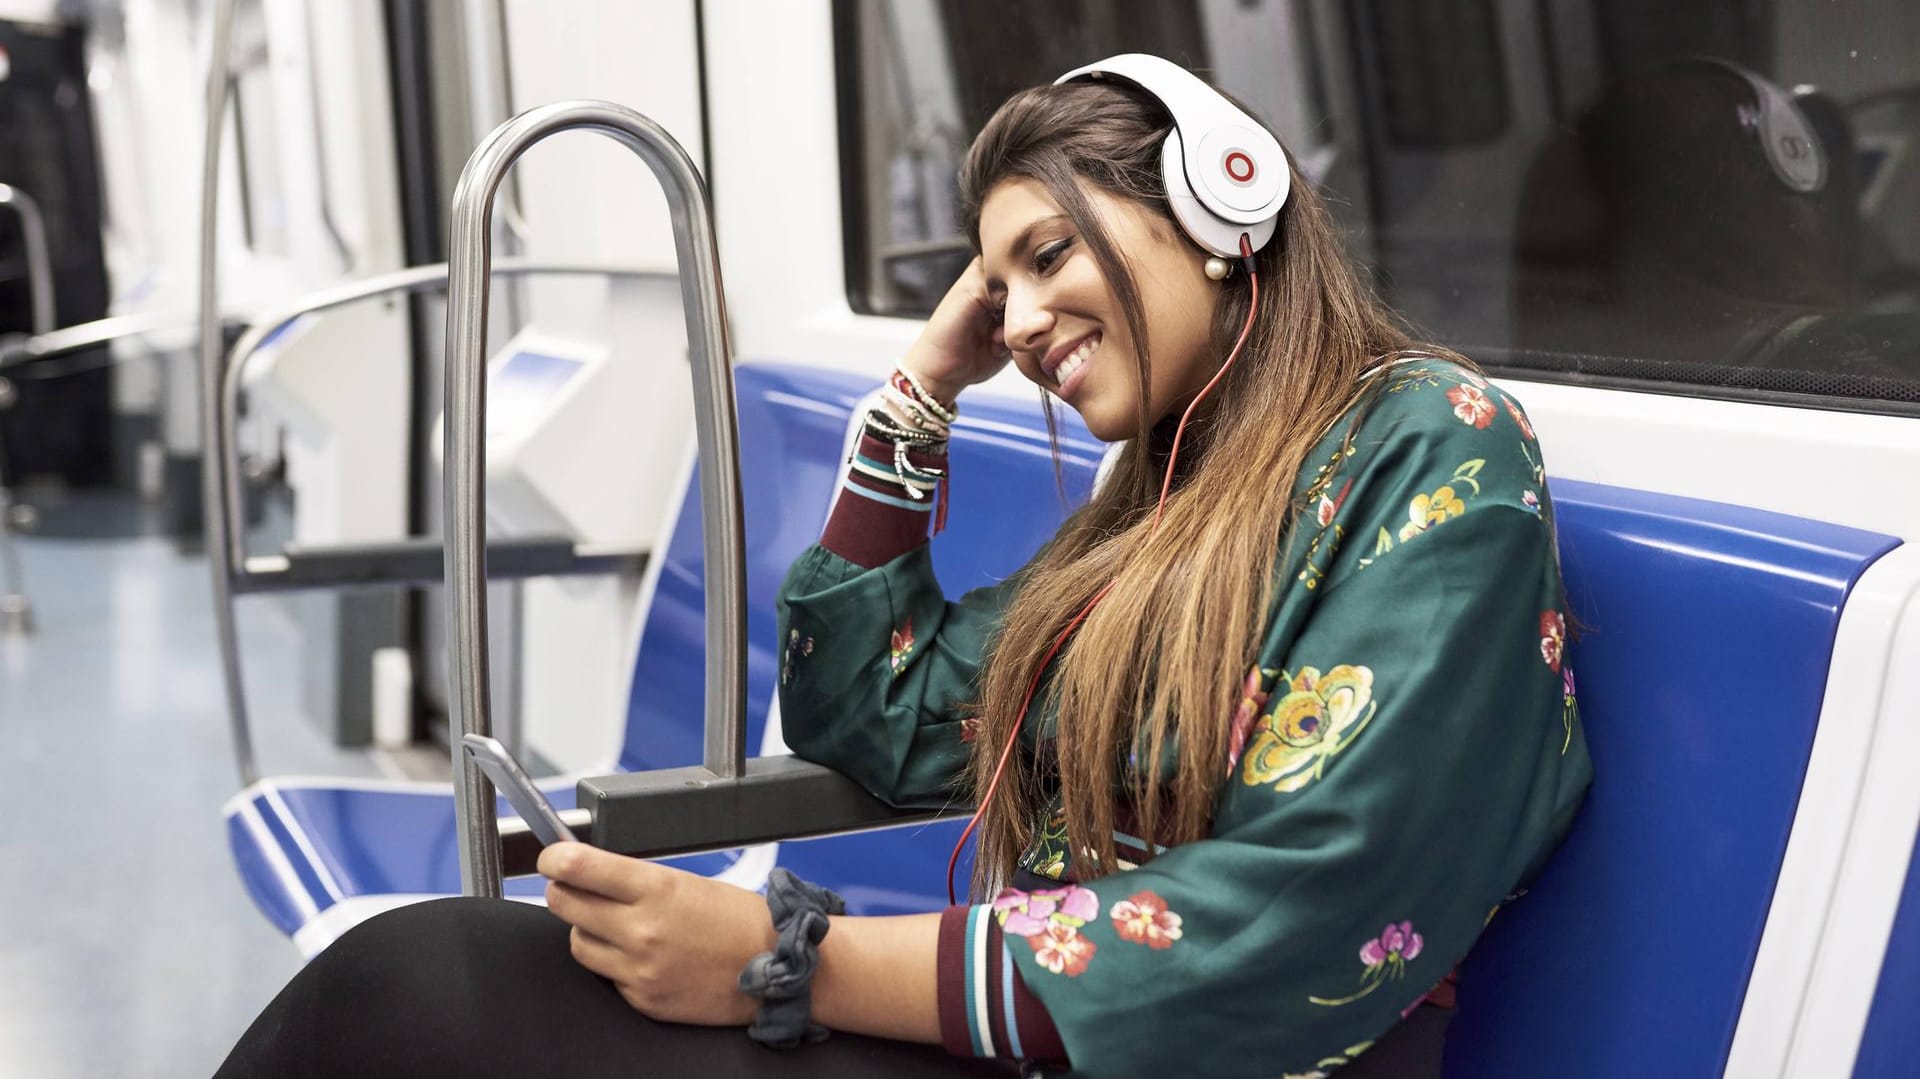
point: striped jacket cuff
(985, 1008)
(876, 521)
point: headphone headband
(1222, 158)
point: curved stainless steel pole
(715, 428)
(16, 609)
(413, 279)
(212, 477)
(219, 465)
(33, 237)
(93, 334)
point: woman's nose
(1027, 325)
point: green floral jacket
(1406, 754)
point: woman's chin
(1105, 426)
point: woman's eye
(1049, 256)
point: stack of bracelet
(913, 420)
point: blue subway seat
(319, 854)
(1701, 657)
(1705, 637)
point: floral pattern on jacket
(1400, 687)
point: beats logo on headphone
(1226, 174)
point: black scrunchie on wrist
(783, 977)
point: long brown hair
(1154, 673)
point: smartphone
(512, 780)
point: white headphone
(1786, 138)
(1226, 174)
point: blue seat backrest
(793, 424)
(1702, 656)
(1702, 653)
(1890, 1047)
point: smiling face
(1064, 323)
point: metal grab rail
(33, 237)
(85, 335)
(234, 572)
(250, 574)
(16, 610)
(16, 607)
(226, 636)
(715, 429)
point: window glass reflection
(1710, 193)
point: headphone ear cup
(1792, 148)
(1212, 232)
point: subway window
(1719, 197)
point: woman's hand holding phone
(672, 942)
(962, 344)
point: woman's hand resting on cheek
(672, 942)
(962, 344)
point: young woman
(1262, 739)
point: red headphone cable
(1166, 485)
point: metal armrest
(421, 560)
(690, 810)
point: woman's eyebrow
(1019, 244)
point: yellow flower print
(1319, 716)
(1425, 511)
(1445, 503)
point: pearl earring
(1218, 268)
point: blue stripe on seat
(302, 868)
(264, 885)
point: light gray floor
(127, 944)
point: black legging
(476, 987)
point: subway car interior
(367, 380)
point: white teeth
(1075, 360)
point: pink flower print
(1396, 943)
(1328, 507)
(900, 646)
(969, 730)
(1028, 914)
(1385, 957)
(1519, 417)
(1566, 681)
(1253, 697)
(1531, 501)
(1471, 405)
(1062, 950)
(1145, 919)
(1553, 638)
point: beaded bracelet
(904, 407)
(910, 386)
(912, 419)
